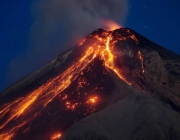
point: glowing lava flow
(108, 58)
(141, 59)
(56, 136)
(25, 109)
(92, 100)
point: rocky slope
(113, 85)
(131, 115)
(149, 113)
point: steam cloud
(55, 19)
(59, 24)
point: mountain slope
(136, 116)
(108, 72)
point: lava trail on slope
(82, 86)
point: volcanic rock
(113, 85)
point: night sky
(158, 21)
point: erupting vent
(84, 87)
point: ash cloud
(59, 25)
(73, 19)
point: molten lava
(56, 136)
(92, 100)
(23, 110)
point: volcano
(113, 85)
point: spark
(92, 100)
(56, 136)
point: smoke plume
(59, 24)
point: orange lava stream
(108, 57)
(56, 136)
(142, 61)
(25, 109)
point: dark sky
(159, 21)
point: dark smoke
(58, 25)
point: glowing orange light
(56, 136)
(25, 107)
(65, 97)
(110, 24)
(82, 42)
(141, 59)
(92, 100)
